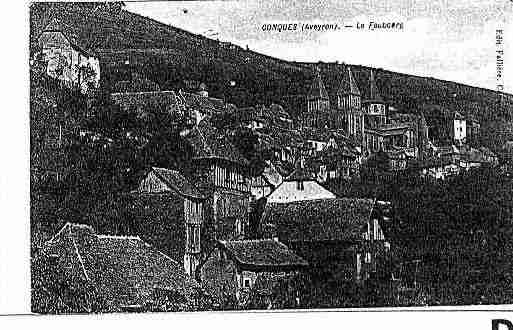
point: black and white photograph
(207, 156)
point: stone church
(366, 119)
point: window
(193, 238)
(247, 283)
(239, 227)
(377, 231)
(367, 257)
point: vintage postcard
(270, 155)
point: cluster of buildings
(225, 231)
(418, 140)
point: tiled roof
(208, 142)
(206, 105)
(56, 25)
(390, 129)
(266, 254)
(278, 138)
(339, 219)
(177, 182)
(126, 270)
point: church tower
(423, 137)
(349, 104)
(318, 104)
(374, 106)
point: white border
(15, 239)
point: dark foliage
(460, 231)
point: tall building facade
(374, 106)
(349, 104)
(317, 104)
(345, 112)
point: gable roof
(317, 89)
(262, 255)
(209, 143)
(338, 219)
(348, 85)
(177, 182)
(55, 25)
(126, 270)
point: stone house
(299, 186)
(235, 266)
(68, 60)
(171, 215)
(338, 235)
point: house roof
(263, 255)
(208, 142)
(56, 25)
(126, 270)
(390, 129)
(338, 219)
(177, 182)
(348, 85)
(285, 137)
(204, 104)
(317, 89)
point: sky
(451, 40)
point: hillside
(126, 43)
